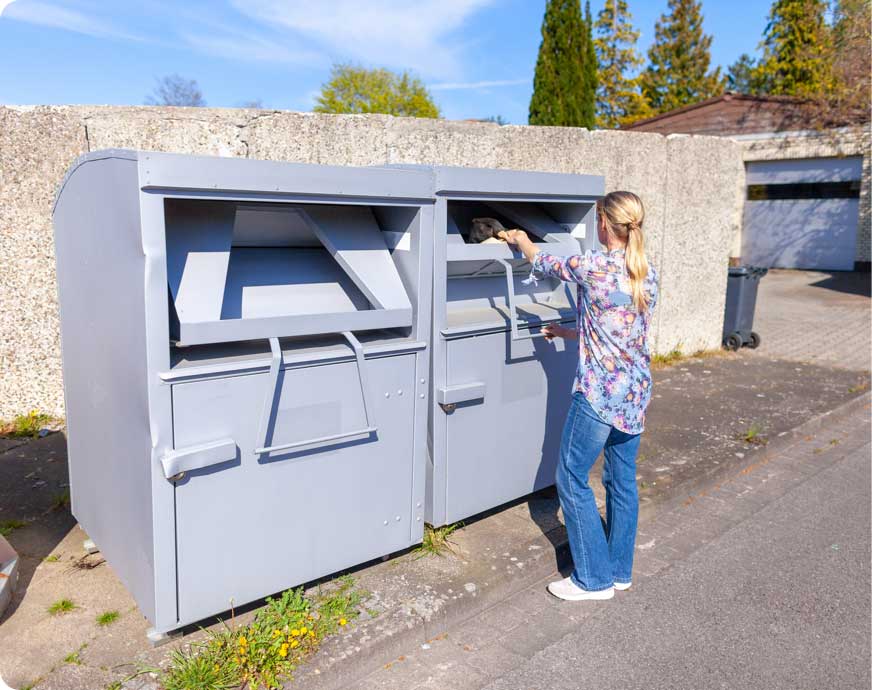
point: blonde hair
(624, 214)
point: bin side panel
(505, 446)
(257, 525)
(100, 273)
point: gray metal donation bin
(246, 370)
(501, 391)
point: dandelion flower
(304, 630)
(295, 633)
(294, 643)
(276, 633)
(342, 621)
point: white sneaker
(569, 591)
(622, 586)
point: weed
(26, 425)
(61, 500)
(107, 618)
(54, 558)
(61, 606)
(834, 441)
(859, 388)
(643, 485)
(282, 635)
(641, 458)
(752, 435)
(114, 685)
(7, 527)
(73, 657)
(666, 360)
(436, 541)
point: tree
(741, 75)
(852, 60)
(619, 99)
(562, 83)
(354, 89)
(796, 48)
(591, 76)
(678, 71)
(496, 119)
(255, 104)
(176, 91)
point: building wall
(825, 144)
(692, 187)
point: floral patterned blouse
(614, 372)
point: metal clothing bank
(276, 371)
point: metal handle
(510, 293)
(274, 368)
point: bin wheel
(733, 342)
(755, 340)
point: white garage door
(802, 213)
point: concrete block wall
(692, 188)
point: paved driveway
(811, 316)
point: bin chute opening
(255, 267)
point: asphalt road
(760, 581)
(780, 601)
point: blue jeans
(601, 554)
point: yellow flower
(283, 652)
(311, 633)
(295, 633)
(294, 643)
(304, 630)
(242, 641)
(276, 633)
(342, 621)
(217, 667)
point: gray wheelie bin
(500, 390)
(741, 303)
(246, 370)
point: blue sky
(477, 56)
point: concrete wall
(692, 188)
(855, 141)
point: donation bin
(246, 370)
(500, 390)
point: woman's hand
(513, 236)
(552, 330)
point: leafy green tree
(796, 49)
(678, 72)
(591, 78)
(619, 99)
(741, 76)
(562, 83)
(352, 89)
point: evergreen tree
(741, 76)
(619, 99)
(591, 78)
(678, 71)
(796, 49)
(559, 81)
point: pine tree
(678, 72)
(619, 99)
(741, 76)
(795, 49)
(559, 81)
(591, 77)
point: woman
(617, 290)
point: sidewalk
(701, 409)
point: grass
(26, 425)
(753, 435)
(7, 527)
(107, 618)
(61, 500)
(266, 652)
(436, 541)
(73, 657)
(667, 360)
(859, 388)
(54, 558)
(62, 606)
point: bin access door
(241, 271)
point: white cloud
(249, 47)
(467, 85)
(4, 4)
(60, 17)
(391, 33)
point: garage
(802, 213)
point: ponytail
(624, 215)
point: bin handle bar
(275, 366)
(510, 294)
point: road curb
(341, 673)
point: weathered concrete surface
(703, 407)
(810, 316)
(691, 188)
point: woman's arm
(571, 269)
